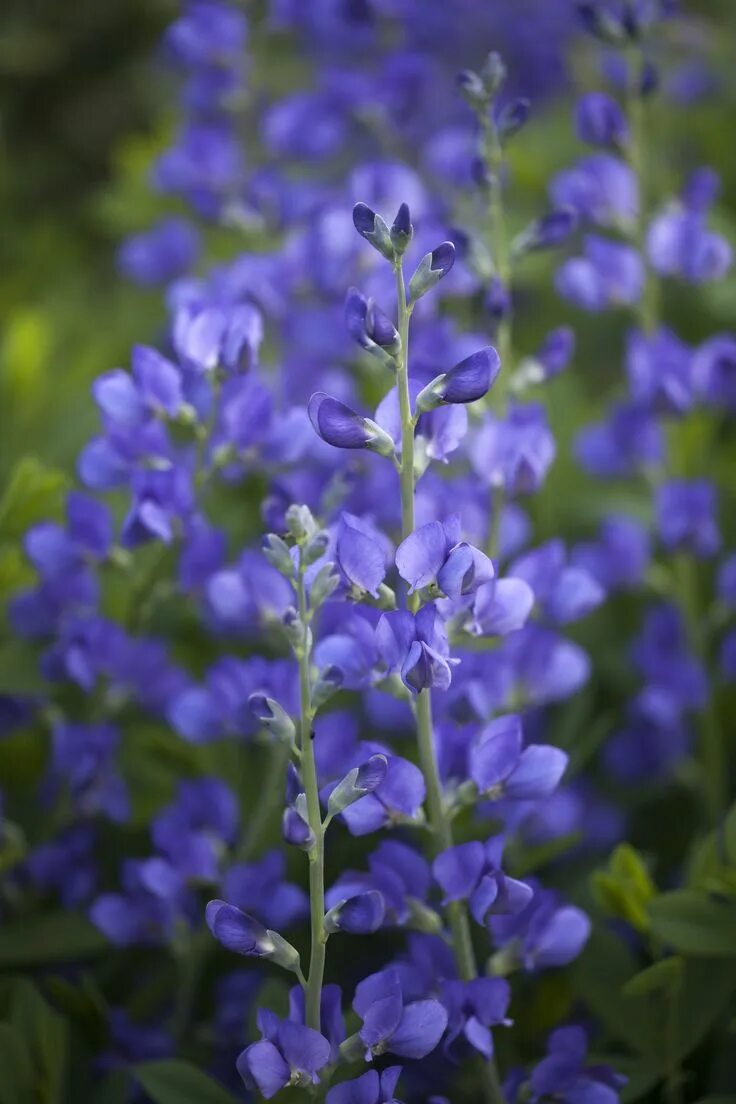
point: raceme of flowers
(383, 635)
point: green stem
(498, 237)
(711, 742)
(406, 474)
(648, 311)
(457, 916)
(313, 996)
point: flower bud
(360, 915)
(315, 548)
(297, 633)
(431, 269)
(402, 230)
(295, 829)
(546, 232)
(325, 582)
(493, 72)
(278, 555)
(327, 685)
(511, 118)
(373, 228)
(273, 717)
(357, 783)
(473, 89)
(300, 522)
(342, 427)
(465, 383)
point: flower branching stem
(438, 815)
(313, 994)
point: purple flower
(288, 1053)
(555, 352)
(546, 933)
(397, 871)
(727, 582)
(360, 914)
(417, 647)
(467, 382)
(686, 516)
(714, 372)
(473, 1008)
(600, 121)
(564, 1076)
(160, 254)
(629, 440)
(373, 228)
(410, 1030)
(659, 368)
(500, 607)
(370, 327)
(619, 557)
(370, 1088)
(431, 270)
(601, 188)
(434, 555)
(565, 593)
(609, 273)
(237, 931)
(500, 768)
(260, 889)
(472, 871)
(514, 453)
(208, 33)
(398, 797)
(360, 554)
(340, 426)
(680, 244)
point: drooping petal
(538, 773)
(420, 1029)
(496, 753)
(458, 869)
(420, 557)
(262, 1066)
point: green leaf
(694, 923)
(599, 977)
(34, 493)
(16, 1072)
(45, 1034)
(662, 976)
(53, 937)
(174, 1082)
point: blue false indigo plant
(375, 753)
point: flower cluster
(312, 644)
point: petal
(361, 1090)
(336, 423)
(360, 558)
(375, 987)
(304, 1048)
(496, 753)
(261, 1065)
(458, 869)
(422, 554)
(538, 773)
(420, 1029)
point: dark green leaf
(45, 1035)
(16, 1072)
(174, 1082)
(694, 923)
(54, 937)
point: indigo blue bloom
(369, 1088)
(500, 768)
(686, 516)
(288, 1053)
(434, 554)
(410, 1030)
(600, 121)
